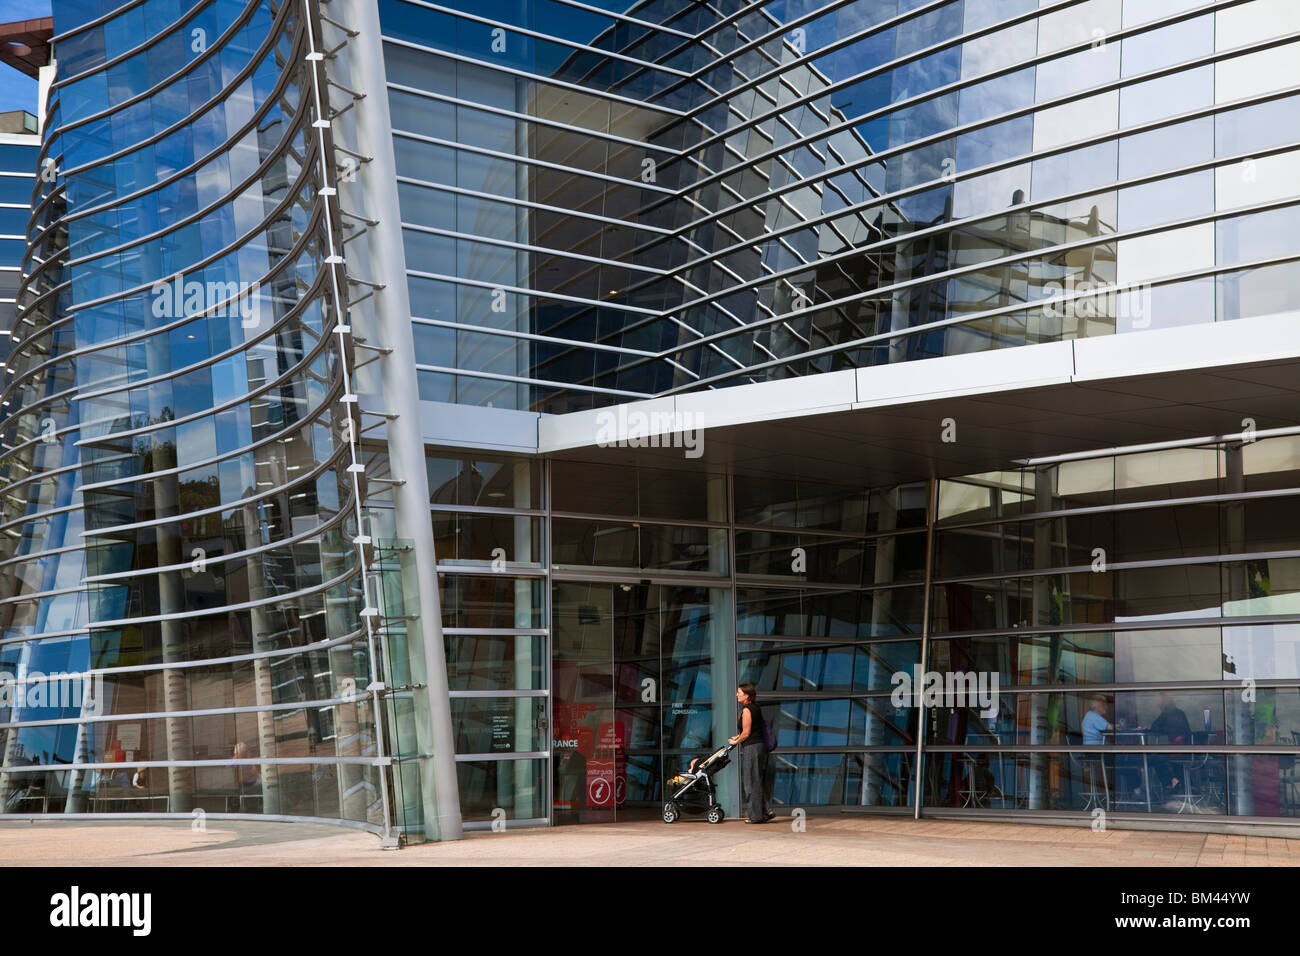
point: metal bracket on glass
(355, 155)
(379, 353)
(334, 23)
(377, 286)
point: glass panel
(516, 786)
(1166, 96)
(1255, 73)
(490, 600)
(808, 780)
(499, 725)
(485, 482)
(483, 662)
(641, 546)
(1098, 657)
(477, 539)
(774, 666)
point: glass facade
(1154, 588)
(294, 291)
(601, 205)
(19, 155)
(181, 621)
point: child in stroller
(692, 791)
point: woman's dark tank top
(756, 737)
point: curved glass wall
(180, 596)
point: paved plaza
(827, 841)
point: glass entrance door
(637, 671)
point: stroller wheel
(715, 814)
(671, 812)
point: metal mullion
(537, 250)
(1152, 687)
(531, 337)
(634, 576)
(1125, 450)
(1122, 566)
(1124, 626)
(549, 654)
(200, 663)
(1226, 497)
(776, 582)
(533, 77)
(217, 764)
(669, 522)
(624, 18)
(829, 532)
(536, 35)
(297, 371)
(544, 296)
(221, 763)
(486, 510)
(159, 715)
(931, 510)
(1219, 749)
(495, 757)
(287, 261)
(531, 204)
(522, 380)
(813, 640)
(484, 570)
(846, 750)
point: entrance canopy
(962, 414)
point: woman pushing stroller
(751, 736)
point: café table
(1140, 738)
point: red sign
(607, 768)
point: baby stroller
(692, 791)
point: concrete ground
(827, 841)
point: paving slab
(825, 841)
